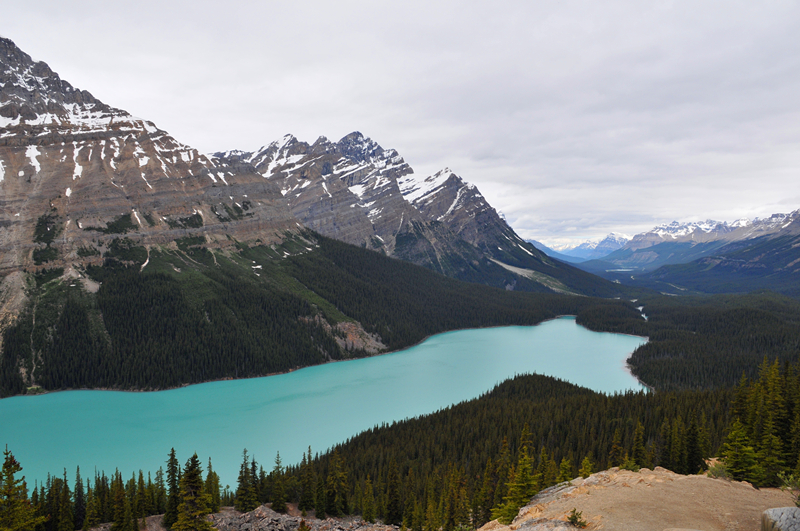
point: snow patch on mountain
(415, 188)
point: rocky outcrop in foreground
(648, 500)
(265, 519)
(781, 519)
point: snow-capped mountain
(590, 250)
(684, 242)
(358, 192)
(73, 164)
(710, 230)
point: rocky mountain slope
(358, 192)
(76, 173)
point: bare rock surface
(265, 519)
(781, 519)
(649, 500)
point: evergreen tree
(695, 460)
(246, 498)
(617, 452)
(278, 494)
(120, 505)
(564, 471)
(369, 502)
(92, 518)
(639, 453)
(307, 483)
(337, 487)
(394, 513)
(173, 494)
(520, 490)
(587, 467)
(17, 513)
(503, 469)
(161, 492)
(80, 501)
(485, 496)
(739, 455)
(193, 507)
(319, 500)
(212, 489)
(66, 520)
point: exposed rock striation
(356, 191)
(76, 174)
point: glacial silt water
(318, 406)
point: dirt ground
(652, 500)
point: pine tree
(695, 460)
(161, 492)
(278, 493)
(212, 489)
(17, 513)
(66, 520)
(369, 502)
(80, 501)
(193, 508)
(319, 500)
(485, 496)
(587, 467)
(307, 483)
(520, 490)
(394, 513)
(173, 494)
(638, 452)
(617, 452)
(564, 470)
(246, 498)
(739, 455)
(92, 518)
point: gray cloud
(574, 118)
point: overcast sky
(574, 118)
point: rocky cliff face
(77, 174)
(84, 172)
(356, 191)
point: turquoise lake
(318, 406)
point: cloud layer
(574, 118)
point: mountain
(356, 191)
(76, 173)
(591, 250)
(710, 257)
(552, 253)
(677, 243)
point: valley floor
(649, 500)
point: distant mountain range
(709, 256)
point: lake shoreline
(41, 392)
